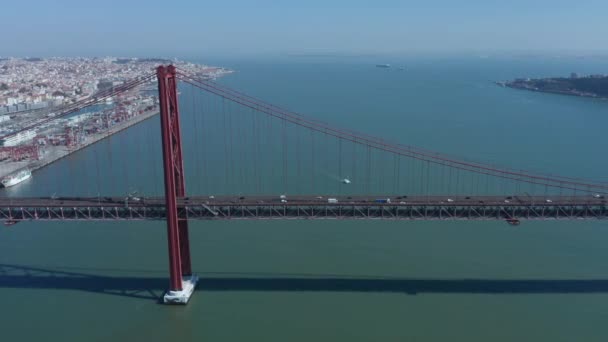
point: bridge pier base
(182, 296)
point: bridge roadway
(308, 207)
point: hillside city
(34, 83)
(38, 123)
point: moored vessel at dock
(16, 178)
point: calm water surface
(337, 281)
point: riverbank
(595, 86)
(52, 154)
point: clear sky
(239, 27)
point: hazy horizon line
(341, 54)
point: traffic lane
(305, 200)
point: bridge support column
(182, 281)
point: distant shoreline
(594, 86)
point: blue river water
(323, 280)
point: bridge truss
(436, 208)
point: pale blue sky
(238, 27)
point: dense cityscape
(34, 90)
(34, 83)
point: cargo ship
(16, 178)
(383, 65)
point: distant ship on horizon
(383, 65)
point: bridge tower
(182, 281)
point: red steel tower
(182, 282)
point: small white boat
(346, 181)
(16, 178)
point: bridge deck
(308, 207)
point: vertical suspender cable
(258, 157)
(395, 185)
(340, 175)
(254, 152)
(312, 160)
(98, 176)
(327, 156)
(226, 155)
(421, 180)
(198, 148)
(353, 172)
(240, 148)
(206, 118)
(284, 152)
(369, 169)
(428, 179)
(231, 144)
(298, 158)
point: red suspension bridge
(260, 161)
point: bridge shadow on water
(152, 288)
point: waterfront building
(18, 138)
